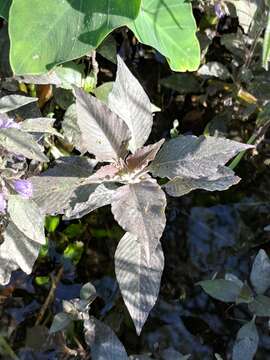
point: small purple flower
(24, 188)
(219, 10)
(3, 203)
(6, 122)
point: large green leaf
(58, 31)
(169, 27)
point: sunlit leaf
(260, 272)
(245, 11)
(161, 24)
(220, 289)
(103, 342)
(130, 102)
(140, 209)
(54, 188)
(104, 134)
(62, 30)
(266, 44)
(40, 125)
(246, 343)
(26, 215)
(139, 279)
(21, 143)
(13, 102)
(214, 69)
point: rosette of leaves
(232, 289)
(115, 133)
(22, 223)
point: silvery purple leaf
(260, 272)
(21, 143)
(195, 157)
(219, 10)
(103, 342)
(221, 180)
(54, 188)
(88, 198)
(130, 102)
(23, 187)
(17, 251)
(143, 156)
(105, 173)
(104, 134)
(247, 341)
(6, 122)
(140, 209)
(13, 102)
(139, 279)
(3, 203)
(40, 125)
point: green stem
(7, 349)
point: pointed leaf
(246, 343)
(221, 180)
(140, 209)
(60, 322)
(105, 173)
(54, 188)
(220, 289)
(16, 251)
(141, 158)
(13, 102)
(194, 157)
(260, 306)
(130, 102)
(88, 198)
(26, 215)
(103, 342)
(21, 143)
(40, 125)
(139, 280)
(105, 135)
(260, 272)
(161, 24)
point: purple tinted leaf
(142, 157)
(140, 209)
(104, 134)
(105, 173)
(246, 343)
(13, 102)
(3, 203)
(139, 279)
(6, 122)
(130, 102)
(103, 342)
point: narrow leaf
(246, 343)
(13, 102)
(103, 342)
(145, 217)
(260, 272)
(266, 44)
(130, 102)
(105, 135)
(139, 280)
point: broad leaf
(245, 10)
(88, 198)
(260, 273)
(4, 8)
(221, 180)
(246, 343)
(48, 78)
(21, 143)
(194, 157)
(260, 306)
(60, 322)
(13, 102)
(75, 28)
(140, 209)
(54, 188)
(220, 289)
(130, 102)
(16, 251)
(169, 27)
(141, 158)
(214, 69)
(104, 134)
(139, 279)
(103, 342)
(26, 215)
